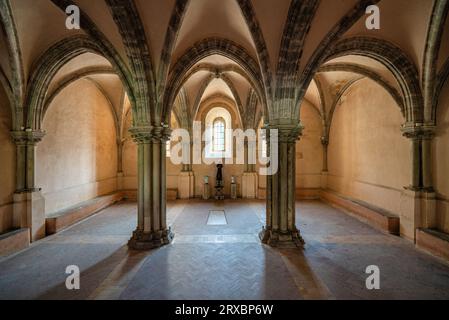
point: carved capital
(27, 137)
(418, 131)
(141, 135)
(324, 141)
(288, 133)
(150, 134)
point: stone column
(186, 179)
(152, 231)
(280, 229)
(29, 204)
(418, 201)
(415, 155)
(120, 174)
(250, 179)
(325, 170)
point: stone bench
(67, 217)
(378, 218)
(172, 194)
(434, 242)
(14, 241)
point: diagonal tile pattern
(223, 261)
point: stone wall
(77, 159)
(309, 151)
(441, 160)
(369, 159)
(7, 164)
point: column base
(290, 239)
(147, 241)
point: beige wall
(441, 160)
(7, 164)
(369, 160)
(309, 151)
(77, 159)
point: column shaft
(152, 229)
(280, 229)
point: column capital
(324, 140)
(148, 134)
(27, 137)
(418, 131)
(287, 133)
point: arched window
(218, 124)
(218, 136)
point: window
(218, 135)
(218, 125)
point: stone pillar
(280, 229)
(325, 144)
(415, 136)
(29, 204)
(418, 201)
(120, 174)
(325, 170)
(152, 231)
(186, 179)
(250, 179)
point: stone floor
(224, 261)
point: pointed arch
(199, 51)
(69, 79)
(396, 61)
(358, 69)
(128, 22)
(174, 26)
(319, 55)
(250, 16)
(47, 66)
(16, 88)
(429, 79)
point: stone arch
(69, 79)
(358, 69)
(256, 32)
(396, 61)
(50, 63)
(219, 99)
(199, 51)
(16, 87)
(443, 75)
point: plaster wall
(309, 151)
(77, 159)
(369, 159)
(441, 160)
(7, 165)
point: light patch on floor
(217, 218)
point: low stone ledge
(67, 217)
(434, 242)
(375, 217)
(14, 241)
(172, 194)
(308, 194)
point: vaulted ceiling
(276, 50)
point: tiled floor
(224, 261)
